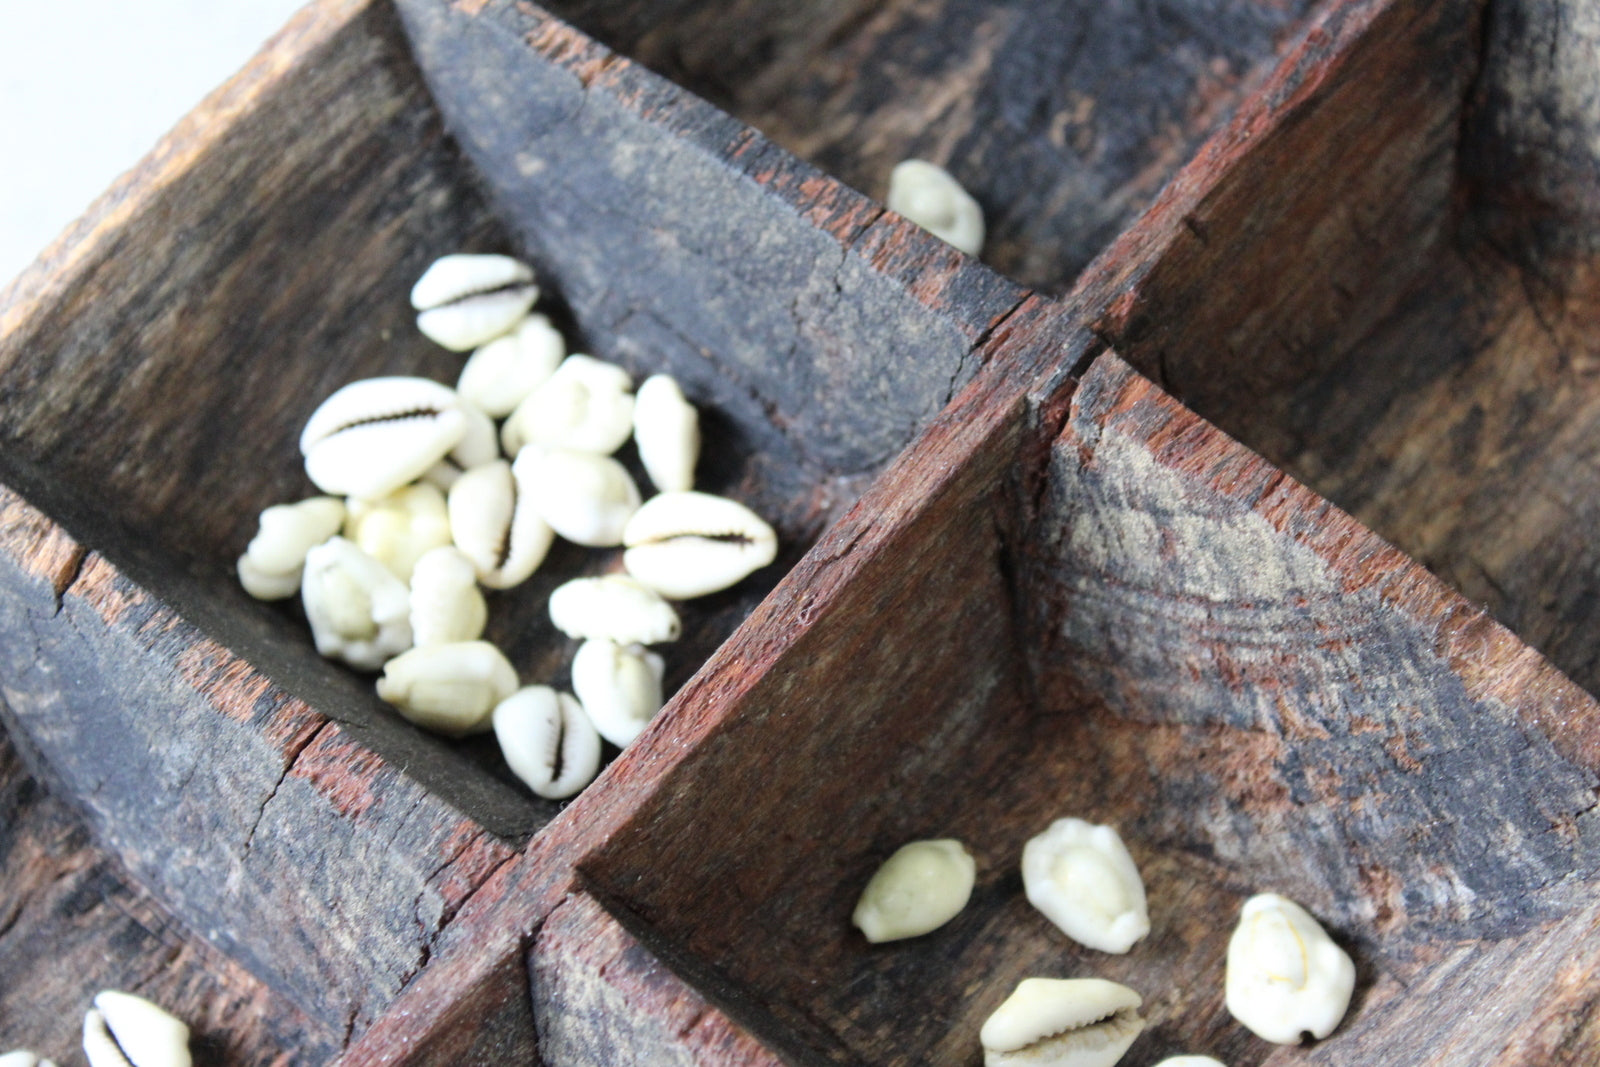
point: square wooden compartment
(1026, 570)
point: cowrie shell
(921, 887)
(614, 607)
(1083, 880)
(358, 610)
(495, 522)
(690, 544)
(1285, 976)
(123, 1030)
(499, 375)
(927, 195)
(24, 1058)
(586, 405)
(547, 741)
(619, 687)
(666, 429)
(1062, 1022)
(587, 499)
(1191, 1061)
(273, 562)
(450, 689)
(446, 605)
(466, 300)
(373, 436)
(397, 529)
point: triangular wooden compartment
(1020, 578)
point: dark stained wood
(72, 923)
(1064, 120)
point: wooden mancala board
(1052, 534)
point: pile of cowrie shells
(122, 1030)
(1285, 976)
(427, 500)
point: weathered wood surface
(72, 923)
(1064, 120)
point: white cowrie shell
(1062, 1022)
(373, 436)
(666, 429)
(397, 529)
(585, 498)
(358, 610)
(273, 562)
(619, 687)
(495, 521)
(24, 1058)
(927, 195)
(1285, 976)
(446, 605)
(547, 741)
(501, 373)
(1083, 879)
(450, 689)
(613, 607)
(1191, 1061)
(586, 405)
(466, 300)
(123, 1030)
(921, 887)
(690, 544)
(480, 441)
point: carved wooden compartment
(1027, 572)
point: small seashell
(373, 436)
(585, 498)
(24, 1058)
(397, 529)
(272, 564)
(921, 887)
(446, 605)
(495, 521)
(619, 686)
(480, 442)
(689, 544)
(547, 741)
(467, 300)
(451, 689)
(1191, 1061)
(358, 610)
(123, 1030)
(1082, 878)
(586, 405)
(666, 429)
(1285, 976)
(927, 195)
(501, 373)
(1062, 1022)
(614, 607)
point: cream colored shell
(359, 611)
(1083, 880)
(446, 605)
(921, 887)
(465, 300)
(688, 544)
(451, 689)
(1285, 976)
(619, 686)
(1062, 1022)
(122, 1029)
(666, 428)
(275, 559)
(614, 607)
(499, 375)
(927, 195)
(547, 741)
(375, 435)
(397, 529)
(587, 499)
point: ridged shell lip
(464, 275)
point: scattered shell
(688, 544)
(480, 442)
(1191, 1061)
(358, 610)
(1285, 976)
(123, 1030)
(927, 195)
(1062, 1022)
(1082, 878)
(397, 529)
(614, 607)
(666, 428)
(586, 405)
(585, 498)
(450, 689)
(446, 605)
(495, 522)
(467, 300)
(547, 741)
(272, 564)
(375, 435)
(24, 1058)
(619, 686)
(921, 887)
(500, 374)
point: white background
(87, 87)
